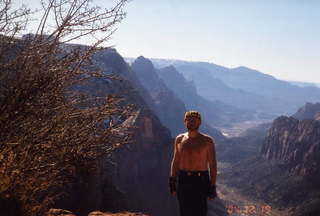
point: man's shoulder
(180, 136)
(207, 137)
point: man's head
(192, 120)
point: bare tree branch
(49, 128)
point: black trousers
(192, 192)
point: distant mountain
(304, 84)
(216, 113)
(215, 89)
(168, 106)
(244, 87)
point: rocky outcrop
(296, 143)
(215, 113)
(308, 111)
(134, 178)
(141, 168)
(62, 212)
(169, 108)
(286, 173)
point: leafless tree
(48, 127)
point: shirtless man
(190, 180)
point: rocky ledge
(62, 212)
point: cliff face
(62, 212)
(287, 171)
(308, 111)
(185, 90)
(296, 143)
(215, 113)
(135, 176)
(141, 168)
(167, 105)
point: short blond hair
(192, 113)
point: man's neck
(193, 133)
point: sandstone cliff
(134, 178)
(141, 168)
(308, 111)
(169, 108)
(296, 143)
(62, 212)
(287, 171)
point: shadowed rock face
(308, 111)
(141, 168)
(136, 180)
(287, 171)
(296, 143)
(215, 113)
(62, 212)
(169, 108)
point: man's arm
(174, 167)
(176, 157)
(212, 161)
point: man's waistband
(193, 173)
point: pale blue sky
(277, 37)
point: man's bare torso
(193, 152)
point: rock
(215, 113)
(98, 213)
(59, 212)
(123, 180)
(287, 171)
(142, 167)
(62, 212)
(308, 111)
(295, 143)
(168, 107)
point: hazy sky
(277, 37)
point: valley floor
(238, 128)
(236, 204)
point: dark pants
(192, 193)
